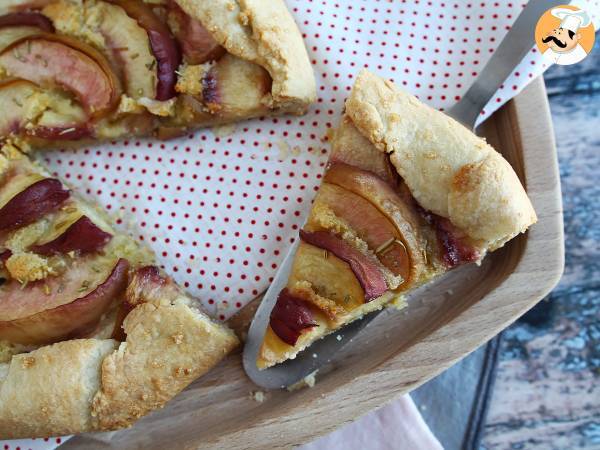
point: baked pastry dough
(146, 68)
(92, 335)
(408, 194)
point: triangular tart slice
(408, 194)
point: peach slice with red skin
(235, 85)
(197, 44)
(34, 202)
(58, 61)
(117, 35)
(51, 310)
(164, 46)
(370, 225)
(455, 245)
(4, 255)
(390, 202)
(367, 272)
(290, 317)
(28, 19)
(147, 284)
(82, 237)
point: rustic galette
(92, 335)
(408, 194)
(103, 69)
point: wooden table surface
(547, 393)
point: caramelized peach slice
(28, 19)
(235, 85)
(82, 237)
(34, 202)
(50, 60)
(60, 308)
(197, 44)
(4, 255)
(119, 36)
(9, 35)
(455, 245)
(366, 271)
(370, 225)
(329, 276)
(290, 316)
(163, 45)
(389, 202)
(147, 284)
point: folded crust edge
(100, 384)
(449, 170)
(263, 32)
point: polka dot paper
(220, 208)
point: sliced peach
(387, 200)
(455, 245)
(369, 224)
(4, 255)
(235, 85)
(119, 36)
(34, 202)
(197, 44)
(82, 237)
(366, 271)
(290, 317)
(147, 284)
(329, 276)
(163, 45)
(58, 61)
(60, 308)
(9, 35)
(28, 19)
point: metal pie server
(515, 45)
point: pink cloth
(397, 426)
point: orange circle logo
(565, 34)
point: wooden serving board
(400, 350)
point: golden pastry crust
(449, 170)
(169, 344)
(49, 391)
(263, 32)
(258, 67)
(95, 384)
(411, 161)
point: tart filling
(100, 69)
